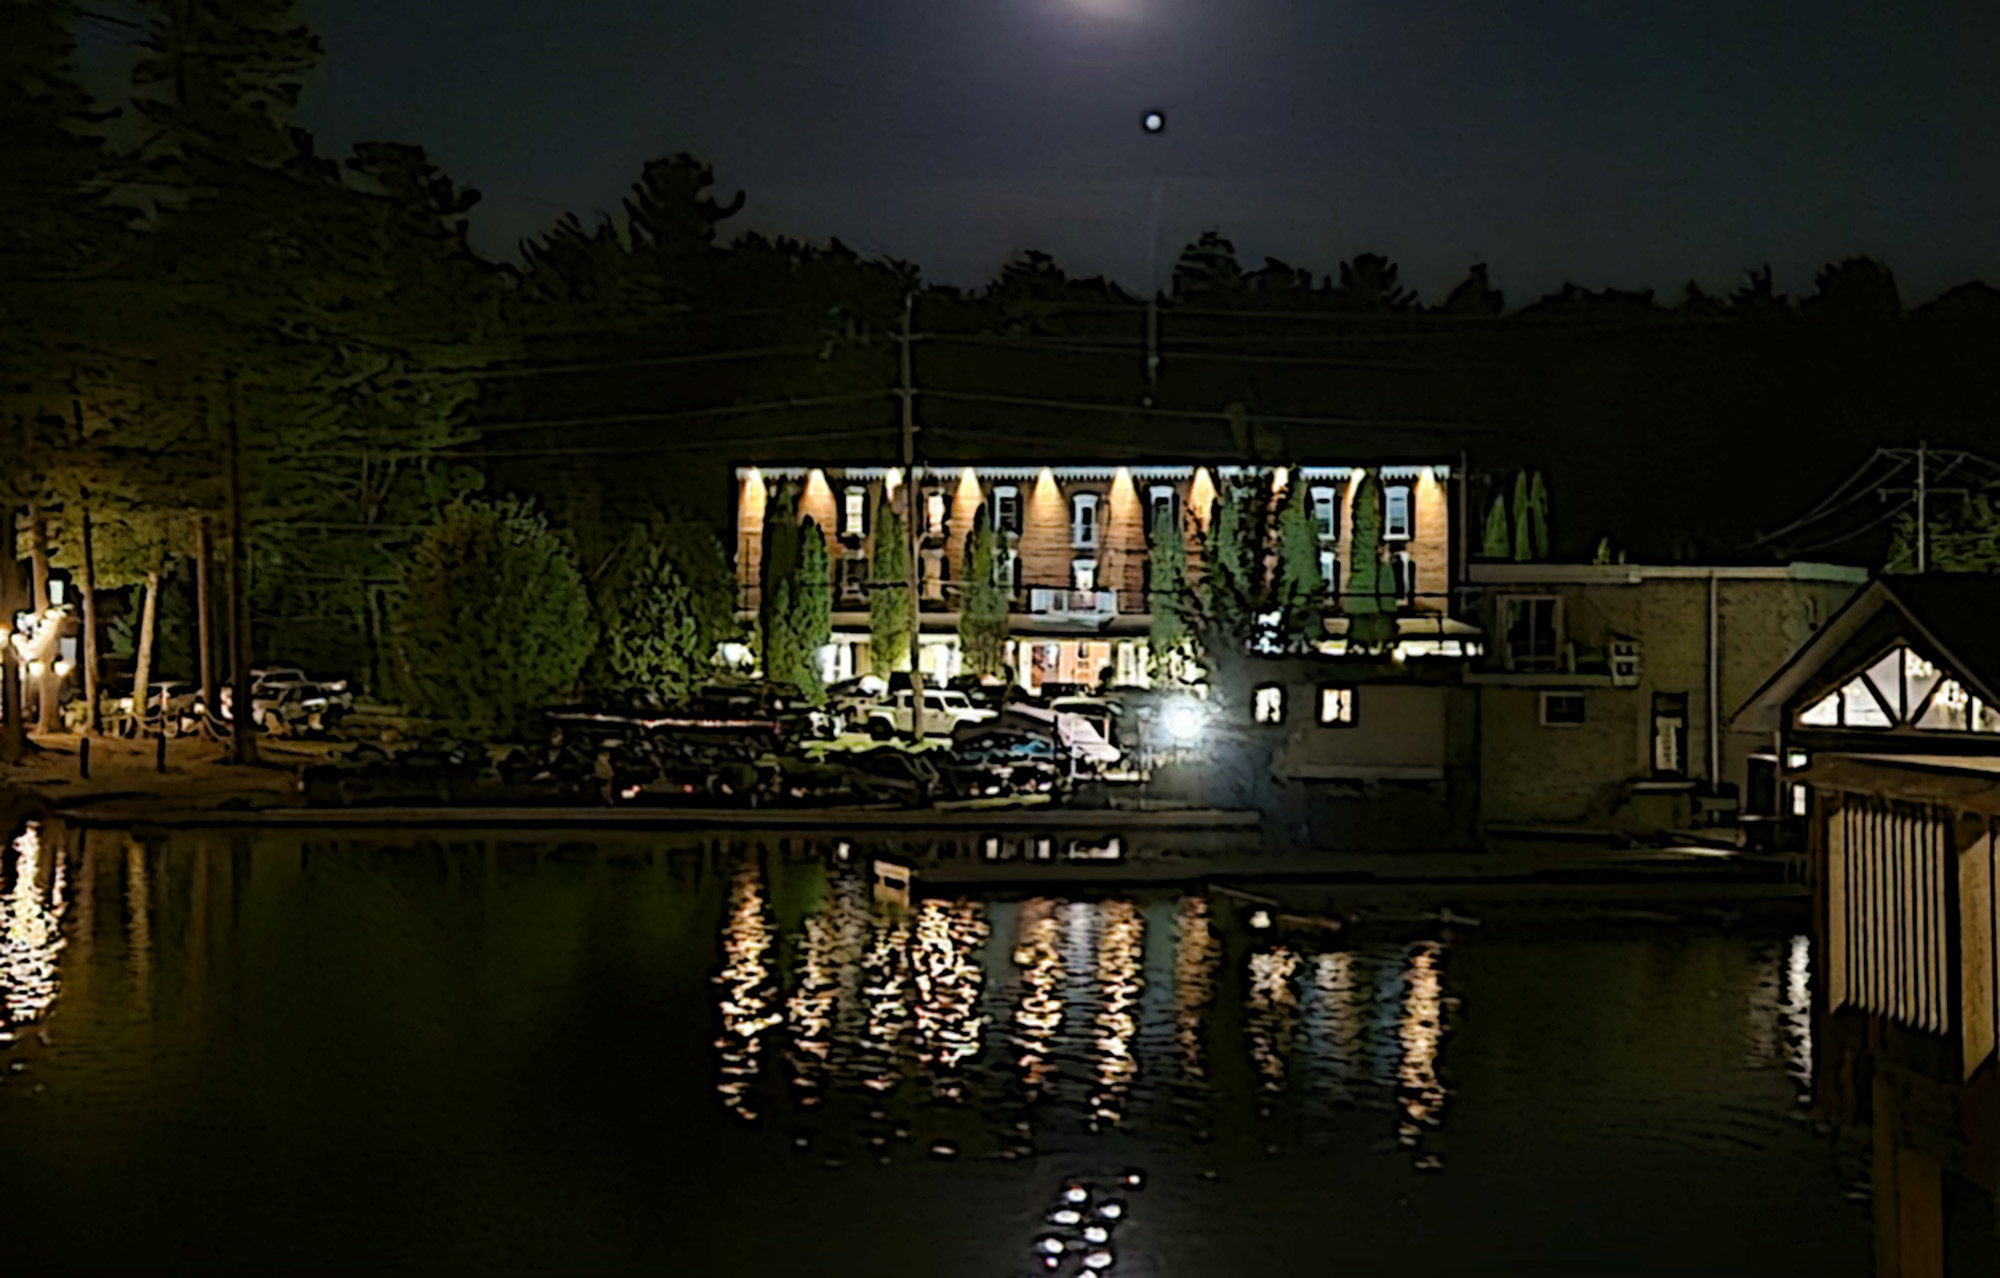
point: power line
(659, 361)
(1134, 410)
(663, 446)
(727, 410)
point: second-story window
(1159, 505)
(1007, 509)
(1326, 514)
(1083, 573)
(1397, 520)
(1083, 511)
(1329, 571)
(1532, 632)
(854, 512)
(934, 509)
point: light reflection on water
(31, 939)
(993, 1017)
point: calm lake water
(269, 1053)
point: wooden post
(13, 733)
(93, 720)
(1909, 1190)
(204, 605)
(142, 674)
(48, 688)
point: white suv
(944, 710)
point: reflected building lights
(1337, 1001)
(1271, 1015)
(32, 939)
(947, 981)
(1421, 1031)
(1197, 954)
(1039, 1013)
(1797, 1015)
(139, 922)
(1120, 953)
(885, 998)
(748, 995)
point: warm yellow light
(63, 668)
(35, 668)
(1281, 478)
(891, 481)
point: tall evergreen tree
(982, 602)
(1300, 588)
(777, 594)
(1524, 520)
(1170, 639)
(1493, 540)
(1371, 618)
(889, 592)
(812, 610)
(1538, 515)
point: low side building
(1603, 689)
(1888, 726)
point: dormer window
(1397, 521)
(854, 512)
(1083, 512)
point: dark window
(1532, 634)
(1562, 709)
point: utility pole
(1923, 521)
(910, 505)
(243, 724)
(1153, 294)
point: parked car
(944, 711)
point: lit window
(1562, 709)
(934, 511)
(1269, 705)
(1083, 520)
(1799, 793)
(854, 513)
(1326, 514)
(1396, 523)
(1336, 707)
(1007, 509)
(1084, 573)
(1329, 569)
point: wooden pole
(93, 719)
(142, 675)
(204, 606)
(910, 506)
(14, 733)
(48, 689)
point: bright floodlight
(1184, 721)
(1153, 121)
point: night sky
(1628, 144)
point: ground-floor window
(1336, 706)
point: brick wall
(1044, 545)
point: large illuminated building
(1077, 548)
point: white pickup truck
(944, 710)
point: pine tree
(1524, 526)
(811, 611)
(1371, 619)
(1169, 640)
(1493, 541)
(494, 620)
(1538, 516)
(778, 572)
(889, 593)
(982, 604)
(650, 630)
(1300, 589)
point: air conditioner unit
(1625, 663)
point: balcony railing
(1075, 605)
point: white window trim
(1409, 512)
(853, 516)
(1078, 569)
(1012, 496)
(1078, 504)
(1330, 530)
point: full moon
(1153, 121)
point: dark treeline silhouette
(176, 259)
